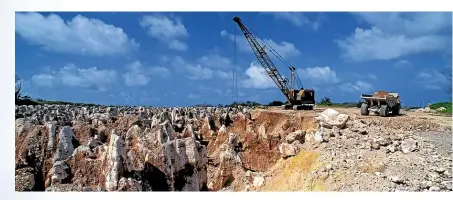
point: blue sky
(178, 59)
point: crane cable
(234, 65)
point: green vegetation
(446, 105)
(326, 102)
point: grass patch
(446, 105)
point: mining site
(100, 148)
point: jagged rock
(128, 184)
(59, 173)
(262, 131)
(66, 144)
(288, 150)
(297, 135)
(230, 161)
(94, 142)
(114, 162)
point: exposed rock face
(292, 144)
(67, 148)
(230, 163)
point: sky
(188, 58)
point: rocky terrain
(70, 148)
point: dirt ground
(351, 161)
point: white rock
(330, 118)
(318, 136)
(115, 156)
(52, 129)
(65, 146)
(262, 131)
(409, 145)
(258, 181)
(59, 171)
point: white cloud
(80, 35)
(358, 86)
(197, 72)
(374, 44)
(139, 75)
(215, 61)
(136, 75)
(284, 48)
(72, 76)
(394, 35)
(160, 71)
(318, 75)
(411, 23)
(297, 18)
(257, 78)
(44, 80)
(168, 29)
(204, 69)
(433, 80)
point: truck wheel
(396, 110)
(384, 111)
(364, 109)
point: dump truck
(381, 103)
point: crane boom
(298, 99)
(264, 59)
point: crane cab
(301, 99)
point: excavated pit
(260, 136)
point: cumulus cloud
(297, 19)
(374, 44)
(318, 75)
(257, 78)
(80, 35)
(72, 76)
(204, 69)
(394, 35)
(44, 80)
(284, 48)
(433, 80)
(168, 29)
(215, 61)
(358, 86)
(408, 23)
(139, 75)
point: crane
(297, 99)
